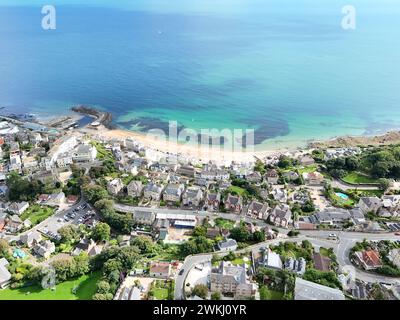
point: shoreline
(205, 153)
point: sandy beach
(222, 156)
(201, 153)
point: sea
(287, 69)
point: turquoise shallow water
(284, 68)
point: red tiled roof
(371, 258)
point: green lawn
(267, 294)
(357, 178)
(341, 201)
(367, 193)
(224, 223)
(36, 213)
(87, 288)
(308, 169)
(240, 261)
(324, 252)
(237, 190)
(102, 152)
(160, 293)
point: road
(229, 216)
(341, 247)
(347, 186)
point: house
(115, 186)
(47, 176)
(270, 259)
(153, 191)
(95, 250)
(279, 194)
(71, 199)
(173, 192)
(272, 176)
(291, 176)
(296, 266)
(368, 259)
(14, 224)
(44, 249)
(30, 239)
(306, 160)
(394, 257)
(281, 216)
(313, 178)
(331, 216)
(30, 164)
(227, 245)
(307, 290)
(192, 197)
(357, 216)
(85, 153)
(5, 275)
(160, 270)
(184, 221)
(64, 160)
(56, 199)
(187, 171)
(390, 206)
(213, 200)
(135, 189)
(144, 217)
(232, 280)
(85, 245)
(369, 204)
(18, 207)
(254, 177)
(213, 174)
(233, 203)
(321, 263)
(300, 197)
(258, 210)
(212, 233)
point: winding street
(341, 247)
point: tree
(308, 206)
(94, 193)
(195, 246)
(200, 290)
(384, 184)
(145, 244)
(285, 162)
(101, 232)
(81, 266)
(101, 296)
(240, 234)
(69, 234)
(216, 296)
(352, 163)
(103, 287)
(259, 236)
(4, 247)
(64, 268)
(199, 231)
(20, 189)
(112, 265)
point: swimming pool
(342, 196)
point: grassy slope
(356, 178)
(87, 287)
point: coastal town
(110, 216)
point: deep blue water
(285, 68)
